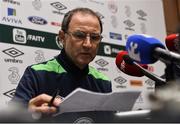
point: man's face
(82, 51)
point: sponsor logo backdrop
(28, 31)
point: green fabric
(52, 66)
(98, 75)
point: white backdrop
(28, 30)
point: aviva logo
(11, 12)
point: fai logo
(112, 5)
(132, 53)
(13, 52)
(101, 62)
(19, 36)
(37, 4)
(128, 12)
(142, 15)
(10, 93)
(59, 43)
(84, 120)
(39, 57)
(143, 28)
(14, 76)
(36, 38)
(58, 6)
(114, 21)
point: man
(80, 36)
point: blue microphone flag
(140, 48)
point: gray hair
(68, 16)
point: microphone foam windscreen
(172, 42)
(141, 47)
(127, 68)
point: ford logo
(37, 20)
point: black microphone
(148, 74)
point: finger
(44, 109)
(39, 100)
(44, 104)
(36, 102)
(57, 101)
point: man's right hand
(39, 104)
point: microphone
(173, 43)
(139, 70)
(146, 50)
(128, 68)
(148, 74)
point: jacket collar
(70, 67)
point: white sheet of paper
(84, 100)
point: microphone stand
(169, 72)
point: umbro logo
(10, 93)
(13, 52)
(150, 84)
(129, 25)
(58, 6)
(101, 62)
(142, 15)
(120, 80)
